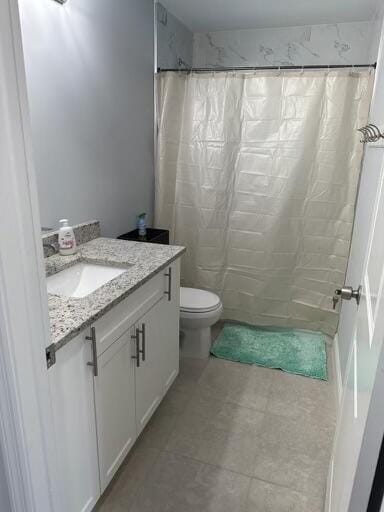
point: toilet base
(195, 343)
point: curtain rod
(264, 68)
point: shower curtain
(257, 175)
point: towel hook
(371, 133)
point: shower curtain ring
(370, 134)
(373, 133)
(379, 134)
(361, 131)
(365, 134)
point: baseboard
(337, 369)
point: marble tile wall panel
(174, 40)
(343, 43)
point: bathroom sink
(81, 279)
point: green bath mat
(294, 351)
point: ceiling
(211, 15)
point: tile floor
(231, 438)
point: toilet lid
(193, 299)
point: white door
(71, 383)
(360, 425)
(362, 367)
(148, 370)
(115, 406)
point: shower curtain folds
(257, 176)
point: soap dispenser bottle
(67, 240)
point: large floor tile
(238, 383)
(229, 450)
(120, 495)
(295, 453)
(217, 432)
(205, 413)
(309, 434)
(133, 472)
(190, 372)
(266, 497)
(161, 425)
(140, 461)
(158, 430)
(183, 485)
(297, 396)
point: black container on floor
(153, 236)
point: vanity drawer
(121, 317)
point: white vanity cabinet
(169, 317)
(158, 347)
(115, 406)
(71, 385)
(108, 382)
(148, 369)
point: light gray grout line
(246, 500)
(206, 463)
(276, 485)
(265, 411)
(251, 477)
(260, 410)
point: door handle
(93, 363)
(347, 293)
(136, 337)
(142, 332)
(168, 293)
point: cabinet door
(71, 384)
(115, 406)
(149, 389)
(169, 328)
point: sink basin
(81, 279)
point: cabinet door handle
(136, 337)
(168, 293)
(142, 332)
(93, 363)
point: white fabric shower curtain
(257, 176)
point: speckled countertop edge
(69, 316)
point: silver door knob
(346, 293)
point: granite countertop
(69, 316)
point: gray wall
(5, 505)
(89, 69)
(174, 40)
(342, 43)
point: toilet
(199, 310)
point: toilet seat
(193, 300)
